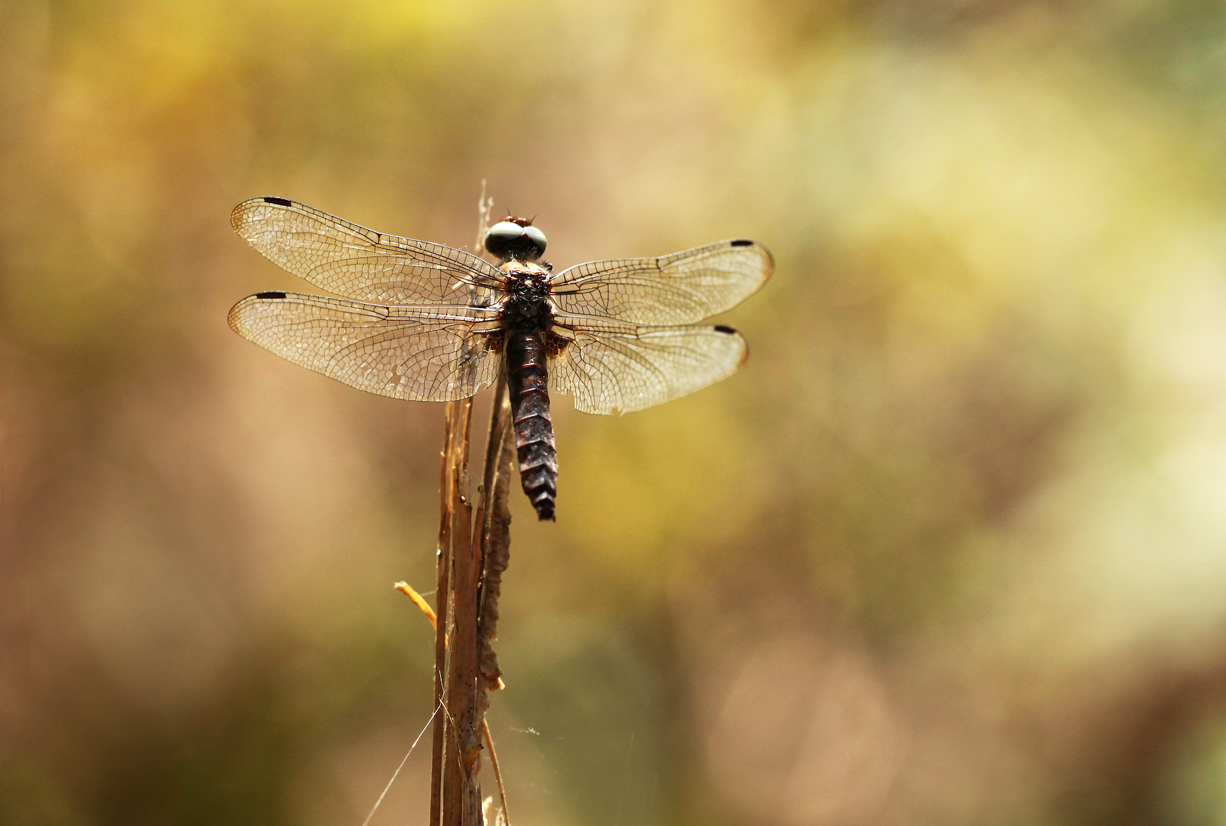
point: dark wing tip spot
(742, 242)
(270, 295)
(721, 328)
(279, 201)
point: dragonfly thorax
(527, 307)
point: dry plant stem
(495, 535)
(461, 798)
(486, 736)
(502, 791)
(440, 626)
(467, 597)
(462, 750)
(494, 519)
(453, 484)
(453, 516)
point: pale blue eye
(537, 237)
(504, 231)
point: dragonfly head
(515, 238)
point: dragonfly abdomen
(527, 379)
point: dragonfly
(426, 322)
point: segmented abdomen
(527, 380)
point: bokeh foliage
(951, 548)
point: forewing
(419, 353)
(615, 367)
(677, 289)
(359, 263)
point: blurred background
(951, 549)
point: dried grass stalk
(454, 533)
(473, 554)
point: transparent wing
(615, 367)
(677, 289)
(359, 263)
(420, 353)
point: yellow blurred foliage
(950, 548)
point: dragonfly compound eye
(507, 239)
(500, 238)
(538, 241)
